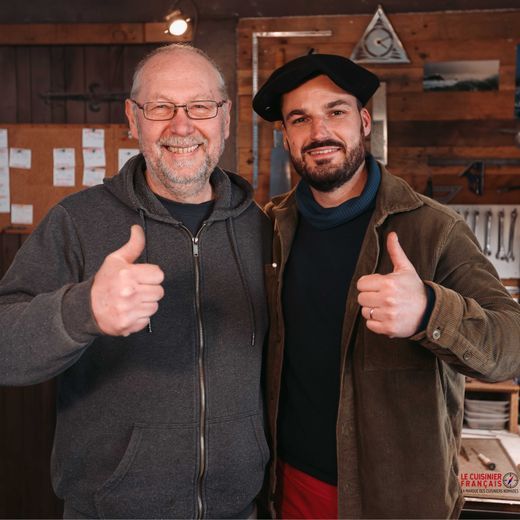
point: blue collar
(326, 218)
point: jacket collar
(394, 196)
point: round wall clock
(378, 42)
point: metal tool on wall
(495, 228)
(475, 175)
(94, 97)
(510, 253)
(501, 251)
(474, 222)
(487, 236)
(442, 193)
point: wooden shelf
(504, 387)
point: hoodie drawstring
(143, 223)
(231, 232)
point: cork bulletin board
(35, 185)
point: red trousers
(303, 496)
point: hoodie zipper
(202, 376)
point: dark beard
(328, 178)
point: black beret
(352, 78)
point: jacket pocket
(237, 456)
(155, 477)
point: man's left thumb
(397, 255)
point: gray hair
(176, 47)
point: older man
(157, 339)
(381, 299)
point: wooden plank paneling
(70, 34)
(421, 124)
(11, 450)
(57, 70)
(450, 106)
(115, 83)
(132, 56)
(74, 82)
(27, 419)
(23, 85)
(97, 75)
(411, 27)
(468, 133)
(8, 88)
(31, 71)
(40, 84)
(27, 415)
(39, 418)
(88, 33)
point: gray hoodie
(166, 423)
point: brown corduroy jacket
(401, 400)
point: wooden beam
(87, 33)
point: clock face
(378, 42)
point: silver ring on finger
(370, 314)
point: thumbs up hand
(393, 304)
(124, 295)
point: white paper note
(3, 137)
(5, 199)
(64, 157)
(93, 138)
(4, 158)
(93, 176)
(94, 157)
(21, 213)
(64, 176)
(124, 154)
(20, 158)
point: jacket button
(436, 334)
(466, 355)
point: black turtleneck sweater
(316, 281)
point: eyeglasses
(163, 110)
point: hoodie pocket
(155, 478)
(237, 456)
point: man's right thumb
(134, 247)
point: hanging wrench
(510, 257)
(501, 251)
(487, 232)
(474, 222)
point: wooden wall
(421, 125)
(27, 415)
(71, 69)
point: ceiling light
(181, 20)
